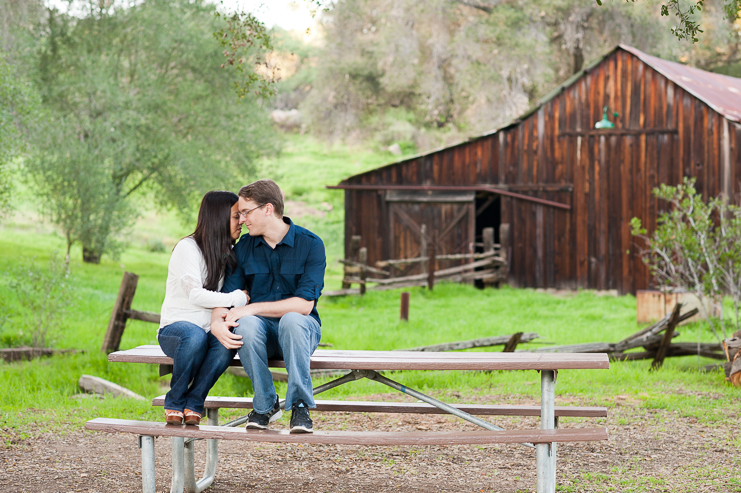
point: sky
(288, 14)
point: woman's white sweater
(185, 297)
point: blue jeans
(199, 360)
(292, 338)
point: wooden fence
(489, 267)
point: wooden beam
(478, 188)
(117, 323)
(144, 316)
(667, 340)
(97, 385)
(485, 342)
(512, 343)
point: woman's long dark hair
(213, 235)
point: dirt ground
(648, 450)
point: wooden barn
(566, 190)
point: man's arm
(275, 309)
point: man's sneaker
(259, 421)
(300, 420)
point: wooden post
(488, 236)
(363, 259)
(667, 340)
(512, 343)
(504, 243)
(423, 247)
(431, 262)
(351, 255)
(120, 314)
(404, 312)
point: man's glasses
(247, 213)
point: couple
(256, 298)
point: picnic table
(369, 364)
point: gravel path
(648, 450)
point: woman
(194, 277)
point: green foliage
(241, 34)
(18, 105)
(43, 296)
(460, 67)
(696, 246)
(139, 109)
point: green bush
(43, 295)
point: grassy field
(42, 394)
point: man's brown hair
(264, 192)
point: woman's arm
(189, 261)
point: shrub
(43, 295)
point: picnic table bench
(368, 364)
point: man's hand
(220, 330)
(238, 312)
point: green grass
(37, 396)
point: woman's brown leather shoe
(192, 418)
(173, 417)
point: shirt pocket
(257, 280)
(291, 273)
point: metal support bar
(212, 453)
(146, 443)
(178, 465)
(373, 375)
(546, 452)
(189, 469)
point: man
(281, 265)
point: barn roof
(721, 92)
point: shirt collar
(288, 239)
(290, 236)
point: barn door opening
(488, 215)
(417, 217)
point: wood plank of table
(218, 402)
(408, 360)
(349, 437)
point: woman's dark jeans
(199, 360)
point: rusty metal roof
(720, 92)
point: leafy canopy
(140, 109)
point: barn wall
(662, 134)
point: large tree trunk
(90, 256)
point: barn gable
(566, 190)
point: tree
(18, 103)
(141, 106)
(464, 66)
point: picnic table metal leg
(546, 452)
(178, 465)
(146, 443)
(375, 376)
(212, 453)
(184, 476)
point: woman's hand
(221, 330)
(247, 295)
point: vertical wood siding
(667, 134)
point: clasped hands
(227, 320)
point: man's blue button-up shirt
(295, 267)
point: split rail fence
(489, 267)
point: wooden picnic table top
(407, 360)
